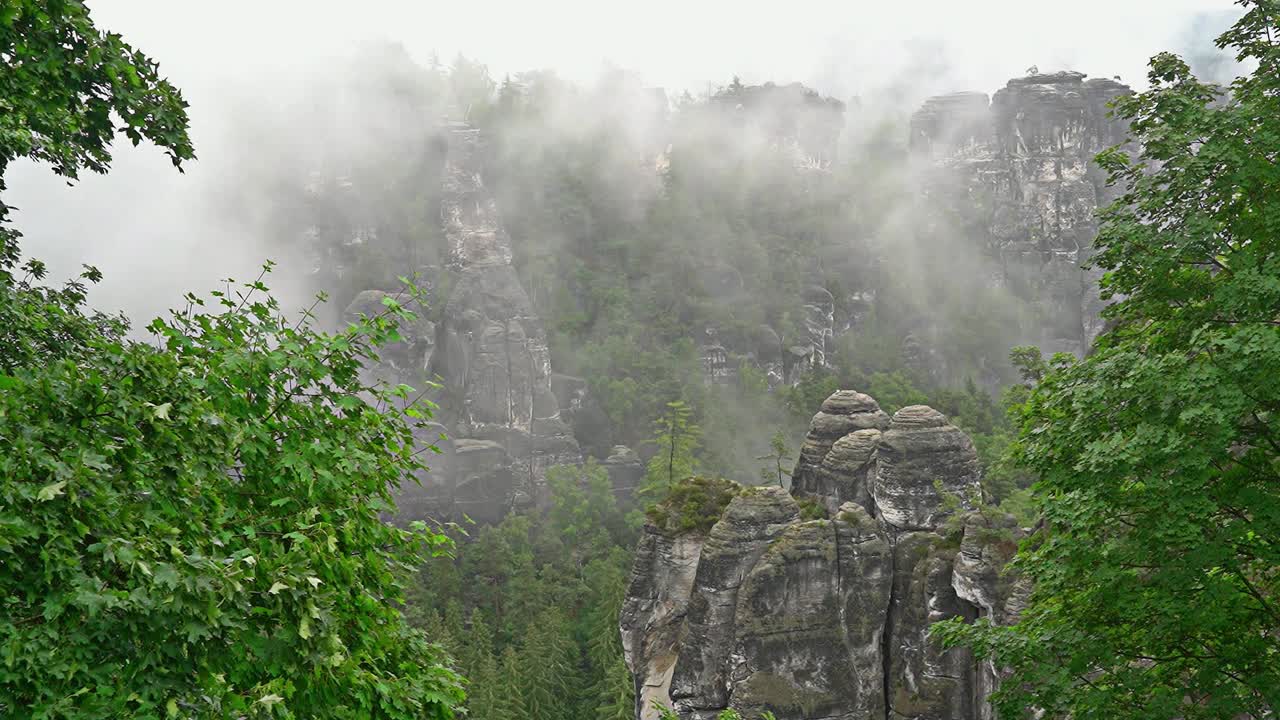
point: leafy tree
(779, 454)
(64, 84)
(194, 526)
(69, 87)
(1156, 593)
(584, 512)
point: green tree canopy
(67, 88)
(193, 528)
(1156, 591)
(190, 528)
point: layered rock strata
(778, 609)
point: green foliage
(190, 528)
(666, 713)
(66, 84)
(811, 509)
(894, 391)
(779, 456)
(193, 527)
(676, 438)
(1159, 454)
(693, 505)
(807, 395)
(543, 592)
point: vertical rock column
(491, 349)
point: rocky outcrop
(921, 459)
(506, 417)
(1017, 173)
(625, 473)
(842, 414)
(653, 613)
(829, 618)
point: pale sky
(154, 235)
(673, 43)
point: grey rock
(626, 470)
(844, 473)
(925, 682)
(734, 545)
(491, 353)
(1020, 170)
(828, 619)
(810, 620)
(920, 459)
(653, 612)
(844, 412)
(981, 578)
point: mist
(244, 67)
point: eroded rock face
(491, 351)
(845, 412)
(829, 619)
(919, 460)
(734, 546)
(806, 639)
(1019, 170)
(653, 613)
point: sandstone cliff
(817, 603)
(1016, 174)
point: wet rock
(625, 473)
(844, 473)
(828, 619)
(1020, 174)
(809, 637)
(491, 351)
(482, 474)
(926, 682)
(653, 613)
(982, 579)
(842, 413)
(922, 459)
(734, 545)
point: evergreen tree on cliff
(1157, 577)
(189, 528)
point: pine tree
(676, 438)
(507, 701)
(780, 454)
(549, 668)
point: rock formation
(828, 618)
(491, 353)
(1017, 172)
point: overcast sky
(673, 43)
(142, 227)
